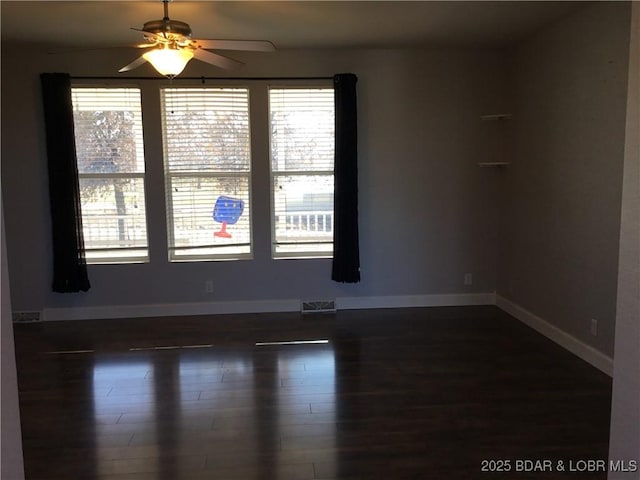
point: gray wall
(625, 415)
(563, 190)
(427, 212)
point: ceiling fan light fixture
(169, 61)
(172, 47)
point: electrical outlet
(208, 286)
(594, 327)
(468, 279)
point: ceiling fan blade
(215, 59)
(135, 64)
(243, 45)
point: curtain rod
(203, 79)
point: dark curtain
(69, 266)
(346, 255)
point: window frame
(117, 259)
(168, 176)
(302, 254)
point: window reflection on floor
(247, 413)
(124, 407)
(308, 393)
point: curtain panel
(69, 265)
(346, 255)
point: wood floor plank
(400, 394)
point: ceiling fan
(171, 47)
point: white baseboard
(406, 301)
(170, 310)
(586, 352)
(260, 306)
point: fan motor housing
(167, 26)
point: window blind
(111, 170)
(302, 158)
(207, 169)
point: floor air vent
(26, 317)
(321, 306)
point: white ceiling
(288, 24)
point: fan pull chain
(171, 96)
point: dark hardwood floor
(425, 393)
